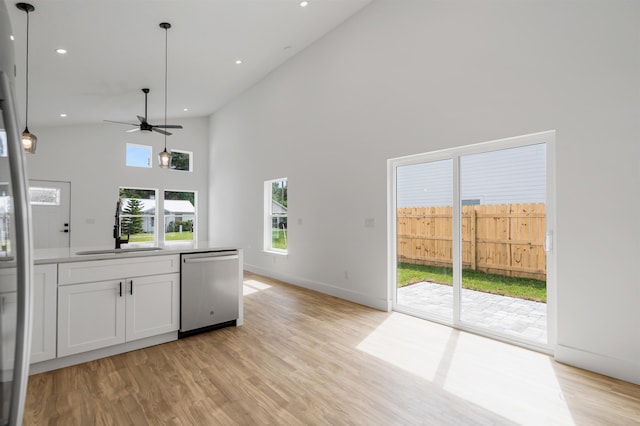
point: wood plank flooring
(303, 358)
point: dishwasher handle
(209, 259)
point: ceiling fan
(144, 124)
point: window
(275, 197)
(137, 214)
(138, 155)
(179, 215)
(44, 196)
(180, 160)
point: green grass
(169, 236)
(140, 238)
(278, 239)
(522, 288)
(178, 236)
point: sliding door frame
(454, 154)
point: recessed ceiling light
(304, 3)
(12, 37)
(186, 109)
(61, 51)
(238, 61)
(63, 115)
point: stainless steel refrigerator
(16, 252)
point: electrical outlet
(369, 222)
(346, 274)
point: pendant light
(164, 158)
(29, 140)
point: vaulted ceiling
(116, 47)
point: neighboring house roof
(170, 206)
(276, 208)
(178, 206)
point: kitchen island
(92, 302)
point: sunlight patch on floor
(400, 340)
(253, 286)
(515, 383)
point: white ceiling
(116, 47)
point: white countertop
(70, 254)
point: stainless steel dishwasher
(209, 291)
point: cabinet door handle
(131, 291)
(120, 288)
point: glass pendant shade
(29, 141)
(164, 158)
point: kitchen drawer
(113, 269)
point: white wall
(404, 77)
(92, 158)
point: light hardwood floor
(307, 358)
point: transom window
(138, 155)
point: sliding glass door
(503, 199)
(469, 231)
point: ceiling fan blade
(168, 126)
(121, 122)
(137, 129)
(142, 119)
(155, 129)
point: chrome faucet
(116, 229)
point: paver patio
(523, 318)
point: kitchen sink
(119, 251)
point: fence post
(473, 238)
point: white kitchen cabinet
(43, 325)
(94, 315)
(115, 269)
(90, 316)
(152, 306)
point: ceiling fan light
(29, 141)
(164, 159)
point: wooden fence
(505, 239)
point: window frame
(126, 157)
(269, 217)
(181, 152)
(153, 218)
(455, 154)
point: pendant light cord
(166, 40)
(26, 114)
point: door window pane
(503, 257)
(424, 197)
(44, 196)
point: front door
(51, 206)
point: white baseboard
(626, 370)
(342, 293)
